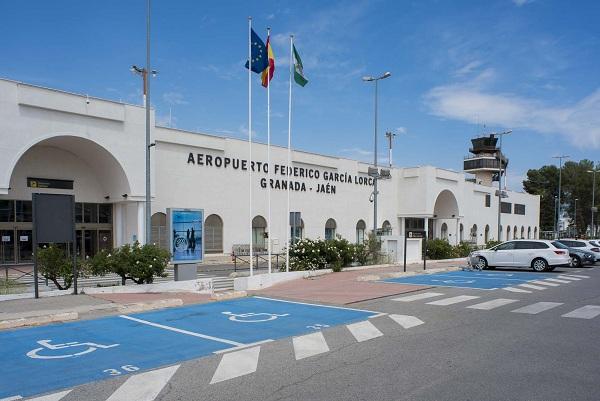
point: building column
(402, 225)
(118, 224)
(141, 218)
(427, 227)
(457, 238)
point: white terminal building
(57, 142)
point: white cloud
(520, 3)
(401, 130)
(472, 102)
(174, 98)
(468, 68)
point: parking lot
(44, 359)
(484, 280)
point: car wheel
(539, 265)
(482, 263)
(575, 261)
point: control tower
(483, 161)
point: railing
(240, 260)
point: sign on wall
(186, 234)
(33, 182)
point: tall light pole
(376, 172)
(560, 159)
(555, 199)
(146, 82)
(501, 134)
(593, 200)
(575, 213)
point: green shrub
(462, 250)
(55, 265)
(491, 243)
(439, 249)
(308, 254)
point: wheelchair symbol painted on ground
(45, 345)
(251, 317)
(455, 281)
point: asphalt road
(519, 346)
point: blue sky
(459, 68)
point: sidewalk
(354, 285)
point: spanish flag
(267, 74)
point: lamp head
(387, 74)
(367, 78)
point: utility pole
(560, 159)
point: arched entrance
(445, 215)
(159, 230)
(444, 231)
(361, 226)
(72, 165)
(213, 234)
(259, 228)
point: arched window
(522, 232)
(158, 224)
(386, 228)
(515, 233)
(462, 233)
(444, 231)
(259, 227)
(535, 233)
(487, 233)
(529, 232)
(330, 227)
(474, 233)
(213, 234)
(508, 233)
(299, 234)
(360, 231)
(501, 234)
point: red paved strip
(186, 297)
(337, 288)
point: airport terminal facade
(57, 142)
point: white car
(582, 244)
(540, 255)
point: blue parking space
(484, 280)
(49, 358)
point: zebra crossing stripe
(309, 345)
(555, 280)
(364, 331)
(236, 364)
(537, 307)
(493, 304)
(50, 397)
(513, 289)
(576, 275)
(417, 297)
(453, 300)
(533, 287)
(545, 283)
(144, 386)
(563, 277)
(585, 312)
(407, 321)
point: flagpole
(250, 135)
(269, 151)
(289, 159)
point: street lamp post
(501, 134)
(555, 198)
(560, 159)
(593, 200)
(376, 175)
(575, 221)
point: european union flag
(259, 54)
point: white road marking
(407, 321)
(13, 398)
(576, 275)
(555, 280)
(532, 287)
(226, 350)
(189, 333)
(569, 278)
(376, 314)
(49, 397)
(493, 304)
(585, 312)
(364, 331)
(309, 345)
(144, 386)
(513, 289)
(537, 307)
(416, 297)
(236, 364)
(453, 300)
(545, 283)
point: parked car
(581, 244)
(595, 243)
(579, 256)
(540, 255)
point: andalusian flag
(267, 74)
(298, 70)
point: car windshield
(595, 243)
(559, 245)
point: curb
(38, 320)
(224, 295)
(146, 306)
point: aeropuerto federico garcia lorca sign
(288, 176)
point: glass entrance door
(7, 247)
(25, 246)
